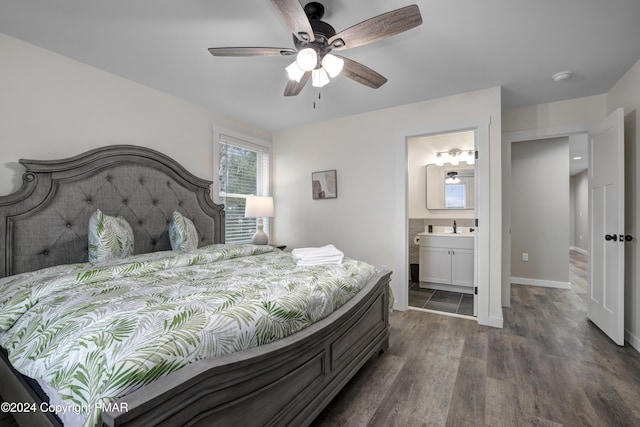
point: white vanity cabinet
(447, 260)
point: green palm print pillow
(110, 237)
(182, 233)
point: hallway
(549, 366)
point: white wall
(367, 220)
(626, 93)
(540, 212)
(53, 107)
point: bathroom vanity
(447, 261)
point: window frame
(222, 135)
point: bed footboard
(285, 382)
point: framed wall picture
(324, 185)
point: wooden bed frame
(285, 382)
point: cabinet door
(435, 265)
(462, 267)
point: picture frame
(324, 184)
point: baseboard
(496, 322)
(579, 250)
(632, 339)
(538, 282)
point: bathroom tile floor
(445, 301)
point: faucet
(455, 227)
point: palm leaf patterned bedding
(95, 332)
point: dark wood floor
(549, 366)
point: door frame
(480, 127)
(509, 138)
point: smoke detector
(561, 76)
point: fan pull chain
(319, 97)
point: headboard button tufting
(154, 242)
(108, 178)
(89, 199)
(45, 252)
(125, 201)
(68, 224)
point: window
(454, 196)
(243, 170)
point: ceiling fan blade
(379, 27)
(362, 74)
(251, 51)
(293, 87)
(293, 15)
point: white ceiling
(462, 45)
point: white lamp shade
(307, 59)
(295, 72)
(319, 77)
(332, 64)
(258, 207)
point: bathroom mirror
(450, 187)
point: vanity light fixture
(471, 157)
(455, 156)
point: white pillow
(182, 233)
(110, 237)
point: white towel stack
(317, 256)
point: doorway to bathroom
(441, 210)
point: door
(605, 295)
(462, 271)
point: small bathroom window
(455, 196)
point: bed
(282, 382)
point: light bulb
(439, 161)
(319, 77)
(332, 64)
(455, 161)
(471, 158)
(307, 59)
(295, 72)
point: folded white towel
(328, 254)
(320, 261)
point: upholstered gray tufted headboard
(45, 222)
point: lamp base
(260, 238)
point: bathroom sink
(466, 234)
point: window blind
(243, 171)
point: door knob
(613, 237)
(627, 238)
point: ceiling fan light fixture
(332, 64)
(295, 72)
(307, 59)
(452, 178)
(319, 77)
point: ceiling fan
(314, 40)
